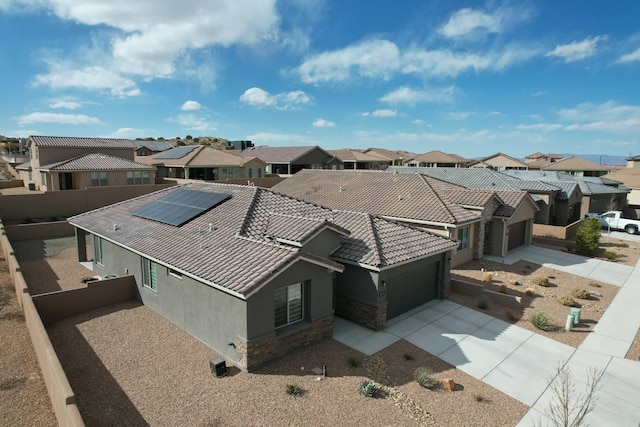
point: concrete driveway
(522, 363)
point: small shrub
(408, 356)
(581, 293)
(487, 277)
(368, 388)
(293, 390)
(588, 237)
(541, 321)
(513, 315)
(424, 377)
(530, 292)
(540, 280)
(503, 289)
(567, 300)
(610, 255)
(483, 302)
(354, 362)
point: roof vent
(114, 227)
(400, 197)
(341, 189)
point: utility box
(575, 312)
(218, 367)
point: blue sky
(466, 77)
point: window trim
(289, 321)
(463, 237)
(150, 274)
(99, 251)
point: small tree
(588, 237)
(568, 409)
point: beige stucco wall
(82, 180)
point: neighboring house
(537, 160)
(437, 159)
(396, 158)
(599, 194)
(479, 220)
(629, 177)
(14, 150)
(254, 274)
(204, 163)
(48, 153)
(556, 204)
(150, 147)
(633, 162)
(499, 162)
(289, 160)
(578, 166)
(353, 159)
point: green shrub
(541, 321)
(540, 280)
(483, 302)
(354, 362)
(368, 388)
(293, 390)
(567, 300)
(588, 237)
(530, 292)
(503, 289)
(610, 255)
(581, 293)
(424, 377)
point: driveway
(522, 363)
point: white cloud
(382, 59)
(88, 78)
(191, 106)
(460, 115)
(544, 127)
(410, 137)
(407, 95)
(606, 117)
(67, 119)
(258, 97)
(322, 123)
(193, 122)
(630, 57)
(147, 38)
(66, 104)
(417, 122)
(129, 133)
(384, 113)
(467, 20)
(577, 50)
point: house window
(137, 177)
(289, 304)
(99, 250)
(174, 273)
(30, 176)
(43, 179)
(98, 179)
(149, 278)
(463, 236)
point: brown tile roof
(279, 154)
(347, 155)
(409, 196)
(199, 156)
(72, 142)
(96, 162)
(390, 155)
(630, 177)
(575, 163)
(239, 244)
(436, 156)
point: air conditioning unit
(218, 367)
(31, 186)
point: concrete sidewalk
(522, 363)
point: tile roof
(390, 155)
(436, 156)
(575, 163)
(409, 196)
(239, 244)
(498, 154)
(588, 184)
(198, 156)
(96, 162)
(155, 145)
(72, 142)
(347, 155)
(629, 177)
(279, 154)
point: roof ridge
(451, 215)
(250, 208)
(376, 239)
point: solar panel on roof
(180, 206)
(176, 153)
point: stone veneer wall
(371, 316)
(256, 353)
(478, 235)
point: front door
(66, 181)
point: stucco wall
(323, 244)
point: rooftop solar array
(180, 206)
(176, 153)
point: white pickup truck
(615, 221)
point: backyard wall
(557, 232)
(12, 183)
(60, 392)
(43, 230)
(475, 289)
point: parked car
(615, 221)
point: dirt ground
(626, 252)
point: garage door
(516, 234)
(411, 288)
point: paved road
(620, 235)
